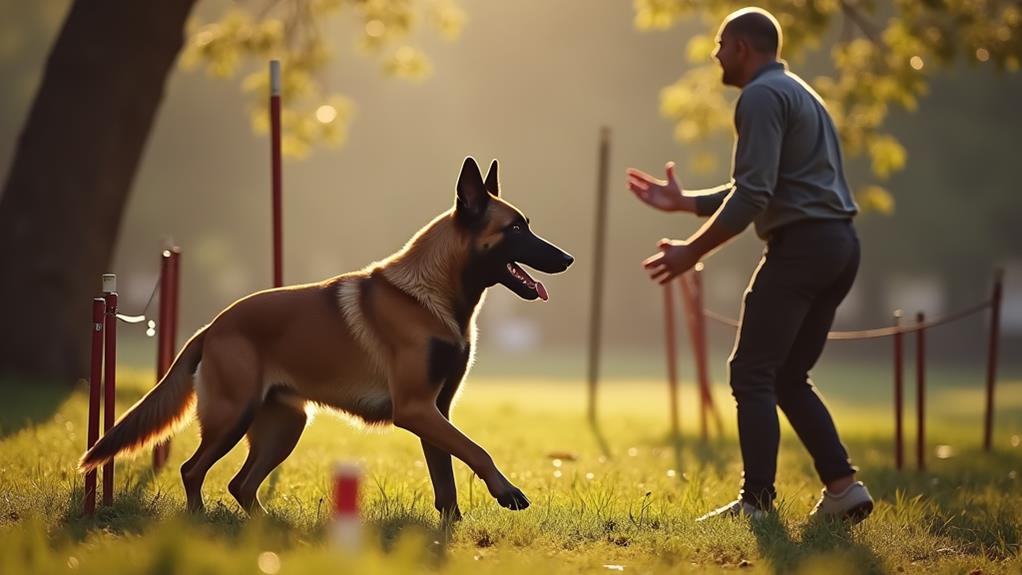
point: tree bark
(73, 168)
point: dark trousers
(807, 269)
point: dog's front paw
(513, 499)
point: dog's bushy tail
(157, 415)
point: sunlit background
(383, 100)
(530, 83)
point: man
(789, 180)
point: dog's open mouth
(519, 274)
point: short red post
(167, 339)
(899, 455)
(692, 296)
(346, 525)
(688, 301)
(921, 392)
(278, 266)
(109, 376)
(162, 341)
(95, 381)
(703, 357)
(175, 291)
(672, 360)
(995, 330)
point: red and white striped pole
(95, 381)
(109, 376)
(278, 266)
(346, 525)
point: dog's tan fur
(361, 343)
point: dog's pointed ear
(472, 197)
(492, 184)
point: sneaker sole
(858, 513)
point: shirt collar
(772, 66)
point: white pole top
(109, 283)
(347, 469)
(274, 77)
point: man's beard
(727, 78)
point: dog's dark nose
(567, 260)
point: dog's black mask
(501, 236)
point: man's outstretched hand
(675, 258)
(663, 195)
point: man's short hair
(757, 27)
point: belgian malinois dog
(389, 343)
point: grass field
(632, 511)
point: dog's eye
(516, 228)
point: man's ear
(742, 47)
(472, 198)
(492, 184)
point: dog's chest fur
(365, 391)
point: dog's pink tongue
(541, 290)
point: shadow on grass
(966, 499)
(600, 438)
(788, 555)
(138, 510)
(132, 511)
(36, 400)
(688, 451)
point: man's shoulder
(779, 81)
(761, 92)
(782, 85)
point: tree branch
(868, 27)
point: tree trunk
(61, 207)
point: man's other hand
(675, 258)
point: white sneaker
(853, 504)
(737, 508)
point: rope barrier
(142, 317)
(872, 333)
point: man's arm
(759, 123)
(706, 202)
(667, 195)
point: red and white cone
(346, 527)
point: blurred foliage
(881, 54)
(246, 37)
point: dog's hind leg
(271, 438)
(228, 392)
